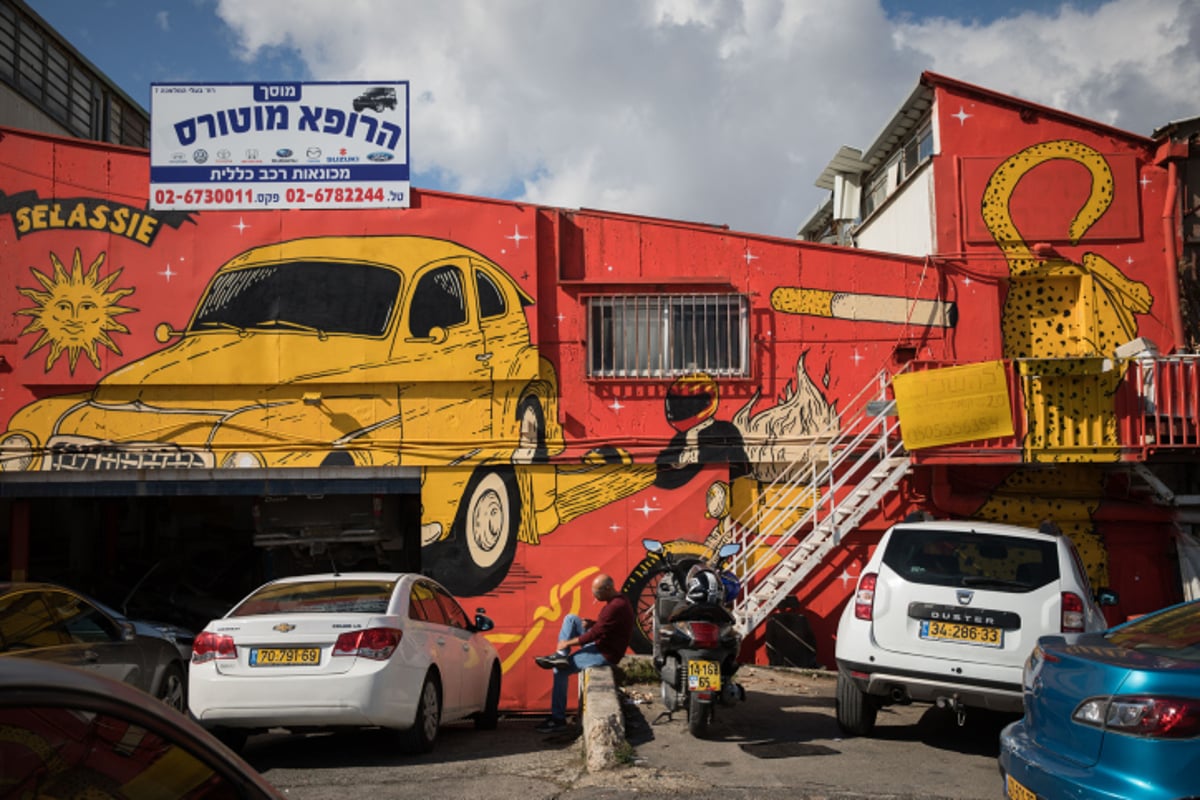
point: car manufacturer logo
(313, 152)
(965, 597)
(284, 627)
(381, 156)
(200, 156)
(283, 152)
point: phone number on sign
(219, 196)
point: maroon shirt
(612, 629)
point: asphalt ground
(783, 742)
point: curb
(603, 721)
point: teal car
(1111, 715)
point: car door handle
(91, 656)
(441, 640)
(484, 357)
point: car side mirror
(483, 622)
(438, 334)
(1107, 597)
(128, 632)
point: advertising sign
(953, 404)
(254, 146)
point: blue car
(1110, 715)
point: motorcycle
(695, 641)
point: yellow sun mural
(75, 312)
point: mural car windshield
(323, 297)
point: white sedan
(358, 649)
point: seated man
(600, 643)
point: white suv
(946, 613)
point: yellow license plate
(285, 656)
(1016, 791)
(704, 676)
(958, 632)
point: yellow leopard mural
(1063, 320)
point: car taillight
(1072, 613)
(374, 643)
(1155, 717)
(705, 635)
(864, 598)
(210, 646)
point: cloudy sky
(720, 111)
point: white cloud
(720, 111)
(162, 19)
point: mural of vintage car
(352, 351)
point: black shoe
(552, 661)
(552, 726)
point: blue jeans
(583, 657)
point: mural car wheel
(484, 537)
(531, 446)
(641, 587)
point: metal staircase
(840, 476)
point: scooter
(695, 641)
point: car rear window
(318, 597)
(986, 561)
(1172, 634)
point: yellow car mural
(369, 351)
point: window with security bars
(662, 336)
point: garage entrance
(184, 551)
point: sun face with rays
(75, 312)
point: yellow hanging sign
(953, 405)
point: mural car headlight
(242, 460)
(16, 453)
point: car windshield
(1172, 634)
(321, 297)
(318, 597)
(985, 561)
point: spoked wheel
(641, 587)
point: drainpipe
(1169, 151)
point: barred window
(661, 336)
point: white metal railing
(844, 473)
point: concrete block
(603, 722)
